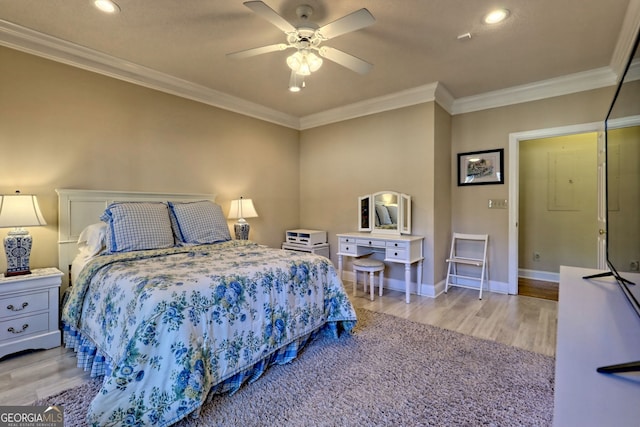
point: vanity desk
(401, 249)
(384, 225)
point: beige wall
(558, 203)
(490, 129)
(386, 151)
(62, 127)
(442, 195)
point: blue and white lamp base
(17, 246)
(242, 230)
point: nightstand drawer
(24, 326)
(18, 305)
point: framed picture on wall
(481, 167)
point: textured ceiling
(412, 43)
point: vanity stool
(371, 266)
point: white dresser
(29, 311)
(401, 249)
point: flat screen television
(622, 130)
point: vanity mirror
(385, 212)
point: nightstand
(29, 311)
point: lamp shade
(242, 208)
(20, 210)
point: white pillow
(383, 215)
(198, 223)
(93, 239)
(393, 213)
(134, 226)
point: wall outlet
(536, 256)
(634, 265)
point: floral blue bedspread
(175, 324)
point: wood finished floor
(538, 288)
(520, 321)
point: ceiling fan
(307, 38)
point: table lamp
(241, 209)
(18, 211)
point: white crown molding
(39, 44)
(627, 38)
(444, 98)
(418, 95)
(564, 85)
(623, 122)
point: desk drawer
(351, 240)
(398, 245)
(371, 243)
(348, 248)
(396, 254)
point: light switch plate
(498, 204)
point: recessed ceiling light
(496, 16)
(107, 6)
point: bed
(170, 310)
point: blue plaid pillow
(135, 226)
(199, 223)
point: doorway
(515, 141)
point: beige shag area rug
(390, 372)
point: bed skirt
(91, 359)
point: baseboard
(432, 291)
(545, 276)
(493, 286)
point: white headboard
(80, 208)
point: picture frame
(481, 167)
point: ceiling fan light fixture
(314, 61)
(304, 70)
(296, 82)
(304, 62)
(295, 61)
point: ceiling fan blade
(257, 51)
(351, 22)
(345, 59)
(270, 15)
